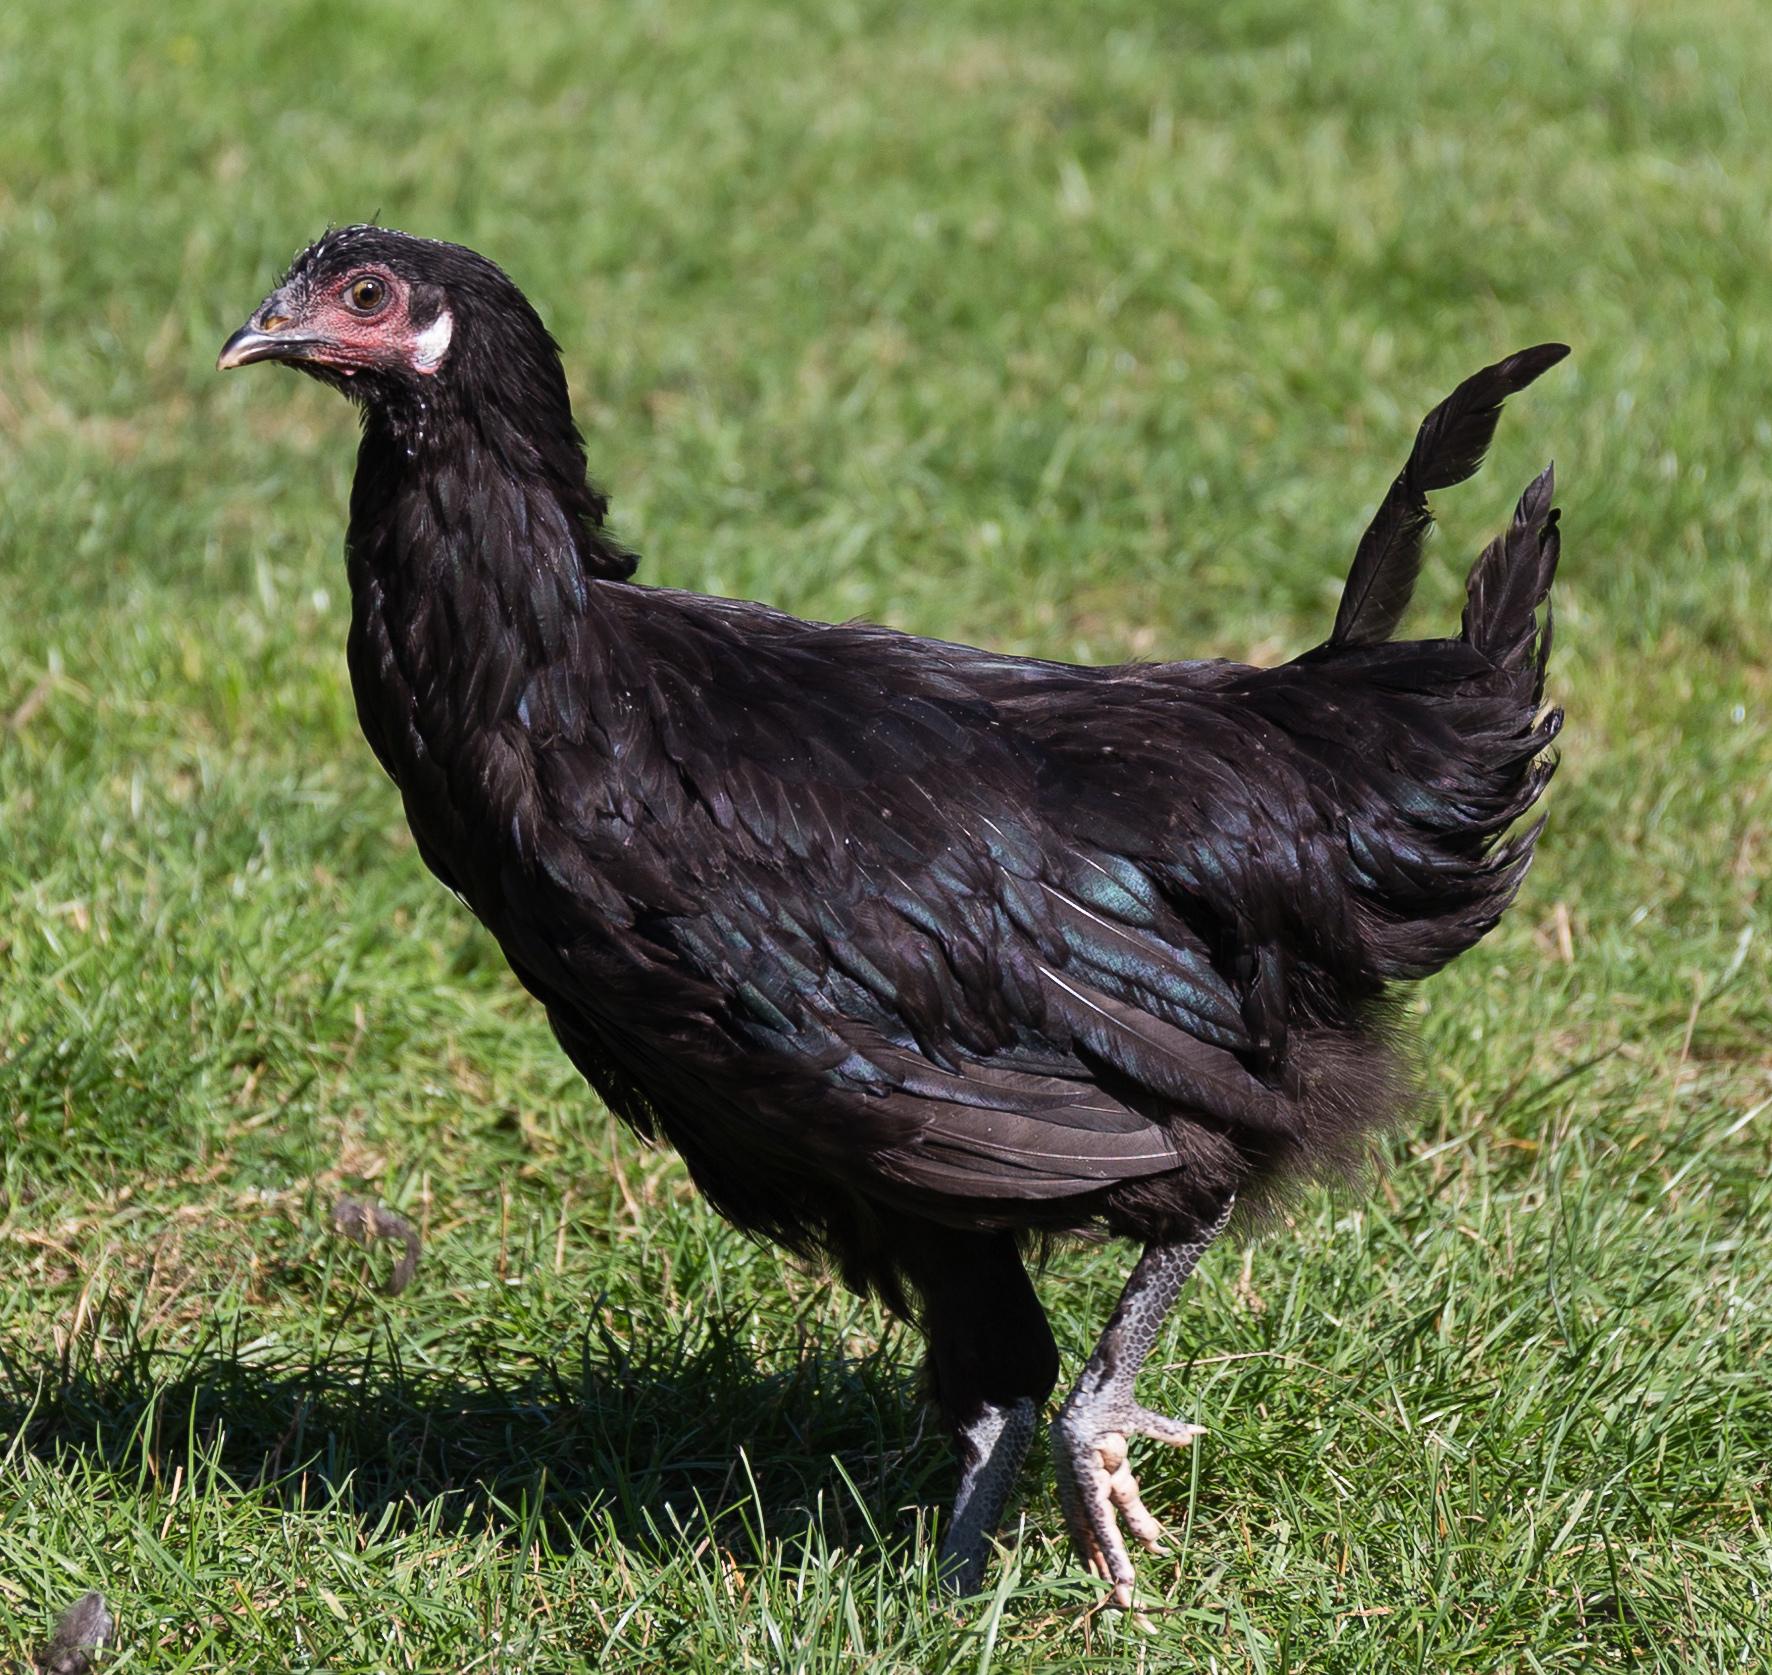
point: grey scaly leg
(1089, 1435)
(992, 1364)
(993, 1445)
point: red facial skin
(353, 339)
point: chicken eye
(367, 295)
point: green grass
(1087, 331)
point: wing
(835, 869)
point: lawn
(1087, 331)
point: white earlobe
(432, 344)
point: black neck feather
(485, 453)
(477, 556)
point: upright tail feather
(1449, 447)
(1510, 581)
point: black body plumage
(911, 948)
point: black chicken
(913, 950)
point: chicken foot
(1092, 1430)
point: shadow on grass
(651, 1443)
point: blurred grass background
(1085, 331)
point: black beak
(265, 337)
(249, 344)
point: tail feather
(1449, 447)
(1511, 580)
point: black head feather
(498, 389)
